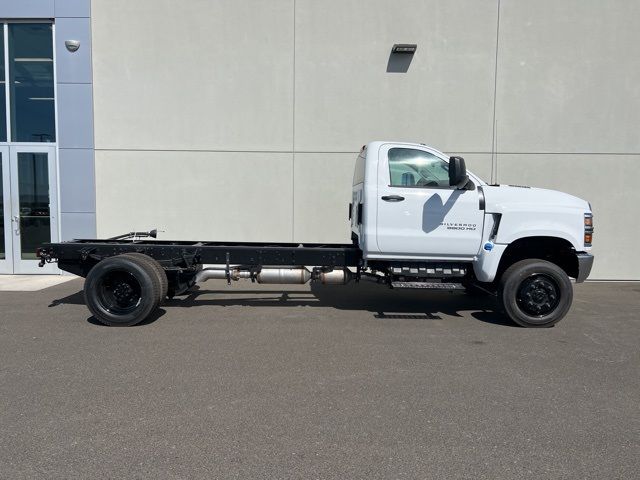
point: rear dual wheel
(535, 293)
(162, 276)
(125, 289)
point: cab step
(428, 285)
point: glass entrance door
(33, 205)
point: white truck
(419, 220)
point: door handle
(392, 198)
(16, 219)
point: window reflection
(31, 82)
(409, 167)
(33, 188)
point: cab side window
(409, 167)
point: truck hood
(502, 198)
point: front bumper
(585, 262)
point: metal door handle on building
(16, 219)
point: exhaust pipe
(275, 276)
(220, 274)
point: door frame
(6, 264)
(21, 266)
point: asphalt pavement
(303, 382)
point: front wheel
(535, 293)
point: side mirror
(457, 173)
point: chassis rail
(79, 256)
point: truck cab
(411, 211)
(408, 211)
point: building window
(3, 96)
(31, 85)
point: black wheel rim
(538, 295)
(119, 292)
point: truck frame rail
(79, 256)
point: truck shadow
(382, 302)
(147, 321)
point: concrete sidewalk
(31, 283)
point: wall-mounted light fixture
(72, 45)
(404, 48)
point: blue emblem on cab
(488, 246)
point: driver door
(419, 214)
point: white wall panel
(193, 75)
(322, 187)
(569, 77)
(345, 97)
(195, 195)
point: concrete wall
(240, 120)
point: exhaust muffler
(277, 276)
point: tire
(535, 293)
(162, 275)
(122, 290)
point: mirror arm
(464, 183)
(468, 184)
